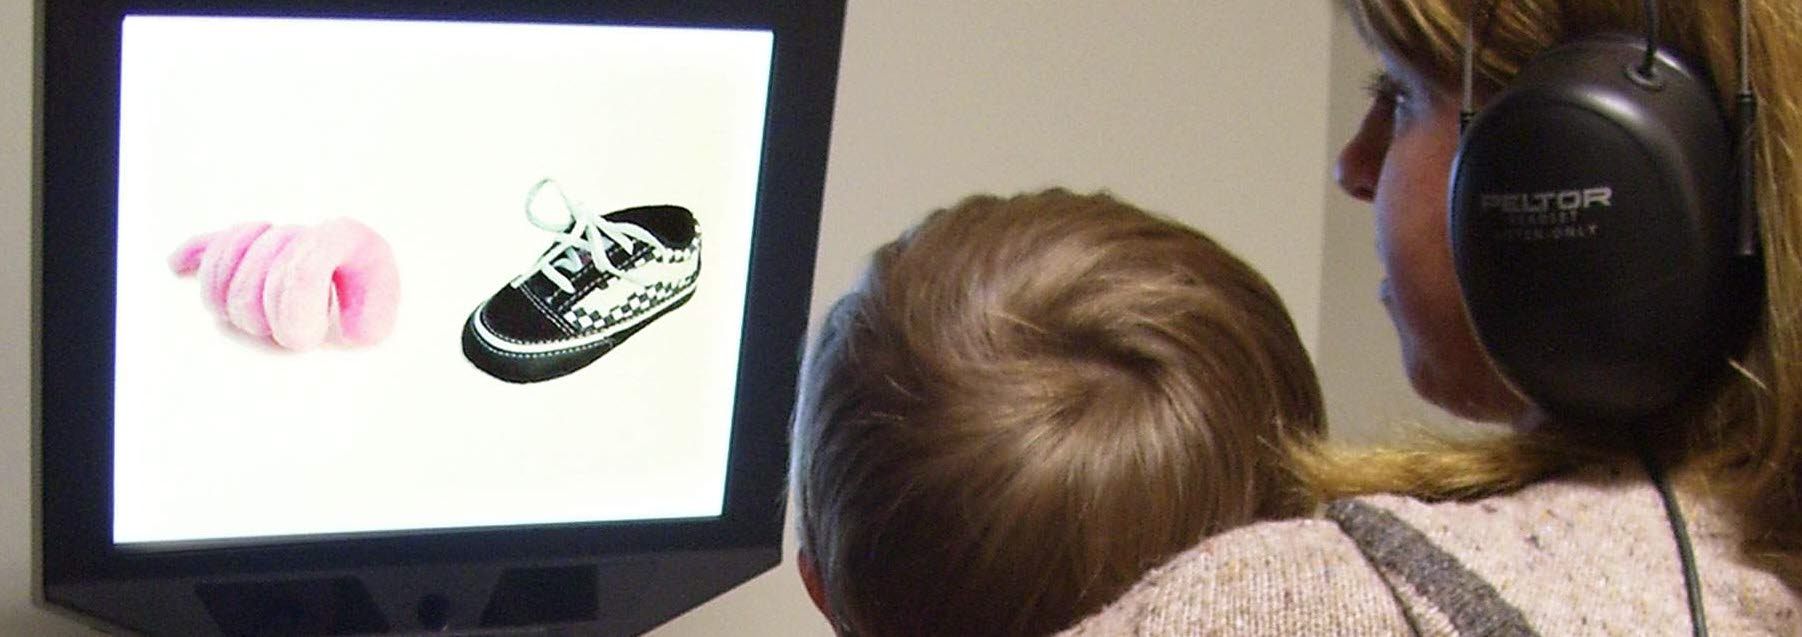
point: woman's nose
(1361, 160)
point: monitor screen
(431, 135)
(401, 316)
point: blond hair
(1028, 402)
(1744, 439)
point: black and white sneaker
(605, 278)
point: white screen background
(430, 133)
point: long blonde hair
(1026, 403)
(1744, 441)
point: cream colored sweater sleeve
(1298, 577)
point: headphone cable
(1692, 578)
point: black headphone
(1602, 229)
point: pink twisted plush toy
(289, 282)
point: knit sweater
(1587, 554)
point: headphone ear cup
(1589, 230)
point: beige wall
(1222, 113)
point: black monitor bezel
(77, 228)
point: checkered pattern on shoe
(614, 306)
(604, 278)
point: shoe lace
(585, 231)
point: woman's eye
(1384, 90)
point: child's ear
(810, 577)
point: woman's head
(1401, 157)
(1029, 401)
(1746, 430)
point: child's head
(1028, 402)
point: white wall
(1212, 111)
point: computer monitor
(408, 316)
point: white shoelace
(587, 232)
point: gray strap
(1473, 606)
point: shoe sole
(516, 367)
